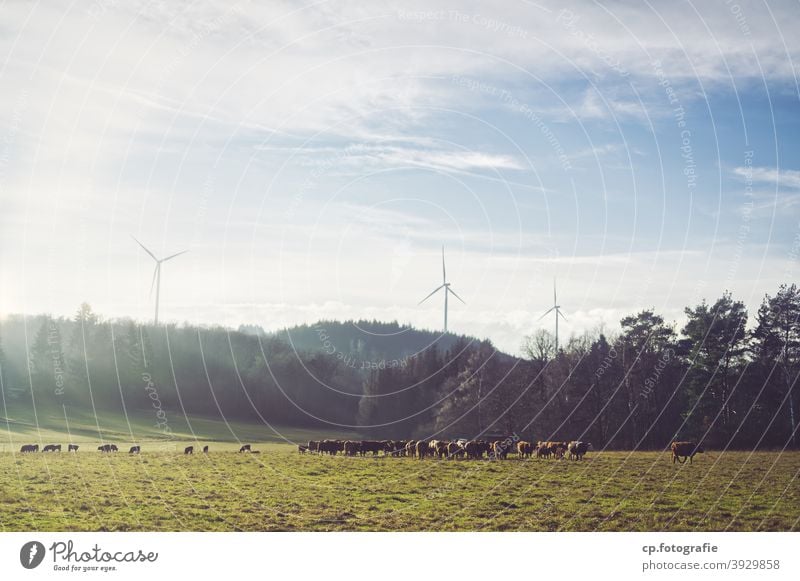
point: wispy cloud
(787, 178)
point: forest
(722, 378)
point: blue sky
(315, 158)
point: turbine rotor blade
(155, 273)
(547, 312)
(455, 295)
(444, 271)
(555, 300)
(174, 255)
(437, 289)
(145, 249)
(562, 314)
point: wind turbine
(557, 308)
(157, 273)
(447, 291)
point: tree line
(717, 379)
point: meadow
(282, 490)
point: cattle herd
(443, 449)
(110, 448)
(453, 450)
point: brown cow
(685, 450)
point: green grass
(281, 490)
(81, 426)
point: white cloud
(786, 178)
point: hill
(368, 345)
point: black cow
(28, 448)
(52, 448)
(188, 450)
(135, 450)
(105, 448)
(73, 448)
(205, 449)
(245, 448)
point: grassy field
(281, 490)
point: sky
(314, 158)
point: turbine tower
(157, 274)
(557, 308)
(447, 291)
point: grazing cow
(331, 447)
(29, 448)
(542, 450)
(411, 448)
(577, 449)
(113, 448)
(135, 450)
(352, 448)
(685, 450)
(500, 449)
(245, 448)
(300, 448)
(188, 450)
(105, 448)
(313, 446)
(52, 448)
(422, 449)
(375, 446)
(73, 448)
(205, 449)
(454, 450)
(524, 449)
